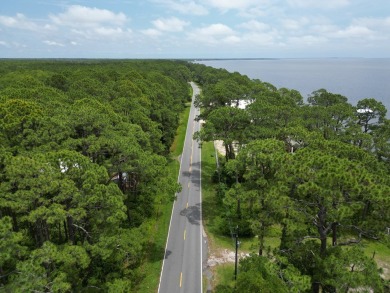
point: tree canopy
(316, 172)
(83, 164)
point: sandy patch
(224, 256)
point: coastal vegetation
(88, 174)
(314, 174)
(87, 179)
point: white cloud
(225, 5)
(231, 40)
(53, 43)
(295, 24)
(376, 21)
(375, 24)
(214, 34)
(306, 40)
(254, 12)
(324, 29)
(185, 7)
(327, 4)
(254, 25)
(264, 39)
(19, 22)
(217, 29)
(151, 32)
(355, 31)
(109, 32)
(172, 24)
(220, 26)
(81, 16)
(91, 23)
(101, 32)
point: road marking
(185, 234)
(188, 185)
(181, 278)
(187, 205)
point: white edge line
(173, 206)
(201, 220)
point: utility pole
(236, 257)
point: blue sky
(194, 28)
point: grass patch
(210, 206)
(178, 143)
(381, 254)
(224, 274)
(159, 225)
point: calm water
(354, 78)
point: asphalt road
(184, 254)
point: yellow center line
(181, 278)
(185, 232)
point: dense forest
(315, 173)
(83, 168)
(84, 153)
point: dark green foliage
(319, 172)
(258, 275)
(83, 166)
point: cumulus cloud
(172, 24)
(82, 16)
(214, 34)
(219, 25)
(5, 44)
(151, 32)
(185, 7)
(355, 31)
(105, 33)
(217, 29)
(53, 43)
(328, 4)
(109, 32)
(377, 24)
(18, 22)
(231, 40)
(264, 39)
(295, 24)
(323, 28)
(254, 25)
(92, 23)
(306, 40)
(225, 5)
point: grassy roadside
(158, 226)
(211, 209)
(178, 143)
(222, 274)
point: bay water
(355, 78)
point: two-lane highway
(182, 265)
